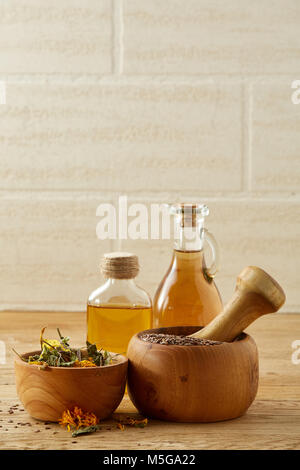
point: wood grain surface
(272, 422)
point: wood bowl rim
(108, 366)
(242, 338)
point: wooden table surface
(272, 422)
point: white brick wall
(162, 101)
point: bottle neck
(120, 291)
(189, 238)
(122, 283)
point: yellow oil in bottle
(112, 326)
(185, 296)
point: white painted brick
(206, 37)
(66, 36)
(121, 137)
(50, 252)
(275, 138)
(260, 233)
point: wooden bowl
(192, 383)
(46, 393)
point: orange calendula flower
(78, 418)
(39, 363)
(86, 363)
(121, 426)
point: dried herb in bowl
(59, 353)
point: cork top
(119, 265)
(189, 213)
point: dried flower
(39, 363)
(86, 363)
(77, 418)
(86, 422)
(58, 353)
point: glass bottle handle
(211, 271)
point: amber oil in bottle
(119, 308)
(187, 295)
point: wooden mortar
(204, 383)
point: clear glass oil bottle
(119, 308)
(187, 295)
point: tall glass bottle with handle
(187, 295)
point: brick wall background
(159, 100)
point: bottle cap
(119, 265)
(189, 213)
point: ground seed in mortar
(181, 340)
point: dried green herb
(64, 340)
(86, 430)
(140, 425)
(21, 357)
(58, 353)
(130, 420)
(100, 358)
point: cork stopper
(119, 265)
(189, 213)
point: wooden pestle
(256, 294)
